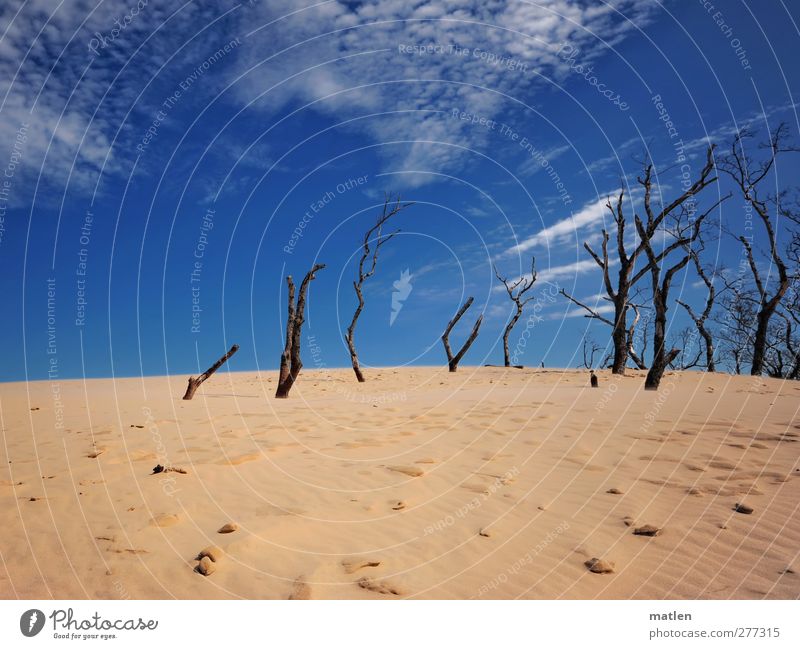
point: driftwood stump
(195, 383)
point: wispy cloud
(403, 68)
(72, 72)
(564, 230)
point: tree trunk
(658, 367)
(619, 335)
(760, 343)
(195, 383)
(511, 324)
(291, 364)
(661, 359)
(350, 338)
(710, 364)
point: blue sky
(158, 158)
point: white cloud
(564, 271)
(356, 58)
(565, 230)
(76, 102)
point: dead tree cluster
(754, 316)
(620, 290)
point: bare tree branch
(453, 361)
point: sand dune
(487, 483)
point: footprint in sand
(165, 520)
(213, 552)
(240, 459)
(378, 586)
(300, 589)
(354, 565)
(412, 471)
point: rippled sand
(487, 483)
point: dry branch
(195, 383)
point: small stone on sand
(647, 530)
(485, 532)
(614, 491)
(743, 509)
(228, 528)
(206, 566)
(599, 566)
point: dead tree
(516, 293)
(367, 268)
(748, 175)
(630, 335)
(452, 361)
(686, 340)
(737, 315)
(195, 383)
(684, 232)
(588, 354)
(628, 275)
(290, 358)
(700, 319)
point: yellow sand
(487, 483)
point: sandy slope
(403, 472)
